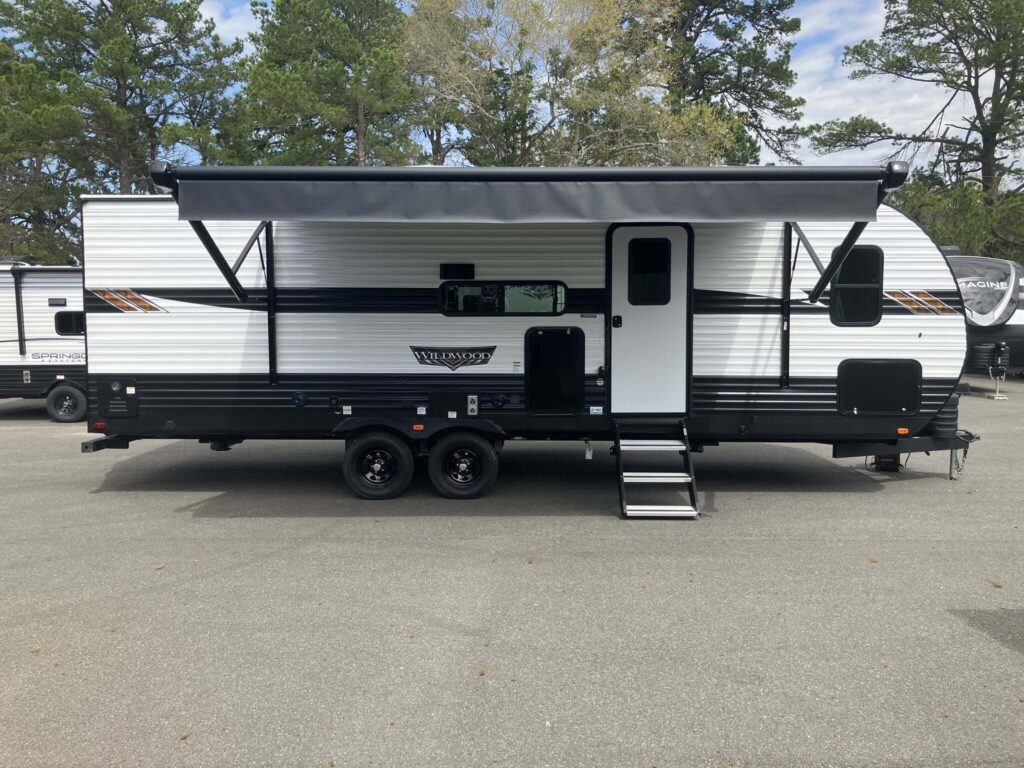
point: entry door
(650, 319)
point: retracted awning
(528, 195)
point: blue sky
(827, 26)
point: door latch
(616, 321)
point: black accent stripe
(348, 300)
(390, 300)
(729, 303)
(425, 300)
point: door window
(650, 264)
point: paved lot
(170, 606)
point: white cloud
(233, 18)
(827, 26)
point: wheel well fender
(63, 382)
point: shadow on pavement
(1004, 625)
(303, 479)
(23, 410)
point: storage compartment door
(554, 370)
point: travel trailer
(42, 337)
(991, 290)
(439, 312)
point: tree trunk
(989, 168)
(436, 138)
(360, 134)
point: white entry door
(650, 325)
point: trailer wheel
(463, 465)
(66, 404)
(378, 465)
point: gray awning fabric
(527, 195)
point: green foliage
(326, 86)
(513, 82)
(734, 54)
(92, 91)
(38, 123)
(963, 216)
(975, 52)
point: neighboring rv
(440, 312)
(992, 303)
(42, 337)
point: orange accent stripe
(112, 298)
(908, 302)
(939, 306)
(141, 303)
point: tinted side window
(69, 323)
(650, 264)
(856, 292)
(480, 298)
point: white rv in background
(440, 312)
(42, 337)
(992, 303)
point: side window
(650, 264)
(69, 323)
(856, 292)
(480, 298)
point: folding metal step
(644, 444)
(656, 477)
(661, 510)
(628, 442)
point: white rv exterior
(427, 331)
(42, 337)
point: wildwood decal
(453, 357)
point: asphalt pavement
(171, 606)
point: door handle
(616, 321)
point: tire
(463, 465)
(66, 404)
(378, 465)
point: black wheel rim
(68, 405)
(462, 466)
(377, 466)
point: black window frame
(81, 323)
(630, 272)
(836, 286)
(469, 283)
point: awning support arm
(838, 258)
(807, 244)
(248, 246)
(219, 260)
(19, 309)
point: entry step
(659, 510)
(656, 477)
(652, 445)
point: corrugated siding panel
(938, 341)
(736, 345)
(378, 343)
(740, 258)
(408, 255)
(188, 338)
(141, 244)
